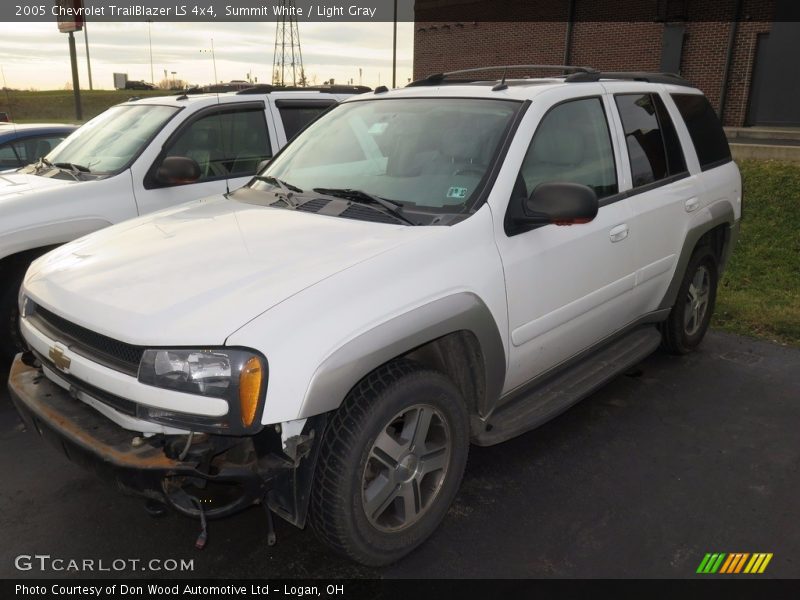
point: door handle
(618, 233)
(692, 204)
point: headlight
(238, 376)
(24, 303)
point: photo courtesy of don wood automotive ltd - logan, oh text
(377, 298)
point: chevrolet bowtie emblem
(58, 358)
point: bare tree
(172, 84)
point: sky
(36, 55)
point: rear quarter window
(704, 128)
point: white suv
(455, 262)
(138, 157)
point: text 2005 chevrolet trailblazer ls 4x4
(421, 269)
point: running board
(543, 401)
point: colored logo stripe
(711, 563)
(758, 563)
(735, 562)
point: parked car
(418, 270)
(138, 85)
(122, 164)
(24, 144)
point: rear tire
(390, 464)
(689, 318)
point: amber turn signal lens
(249, 387)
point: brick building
(742, 53)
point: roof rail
(439, 78)
(670, 78)
(331, 89)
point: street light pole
(394, 48)
(76, 88)
(150, 40)
(88, 62)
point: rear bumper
(149, 467)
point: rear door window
(646, 151)
(676, 162)
(704, 128)
(296, 115)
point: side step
(533, 406)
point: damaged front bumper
(216, 475)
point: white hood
(195, 274)
(14, 184)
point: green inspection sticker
(457, 192)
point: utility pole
(76, 88)
(88, 62)
(394, 48)
(150, 40)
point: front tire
(10, 336)
(688, 320)
(391, 463)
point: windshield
(426, 153)
(112, 139)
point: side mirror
(178, 170)
(560, 203)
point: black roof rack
(573, 75)
(331, 89)
(670, 78)
(441, 78)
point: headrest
(205, 138)
(461, 143)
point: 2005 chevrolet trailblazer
(397, 283)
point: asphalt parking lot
(680, 457)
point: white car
(421, 269)
(123, 163)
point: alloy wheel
(697, 300)
(406, 467)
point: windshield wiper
(287, 188)
(71, 166)
(361, 197)
(43, 163)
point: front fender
(351, 362)
(48, 235)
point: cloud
(36, 54)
